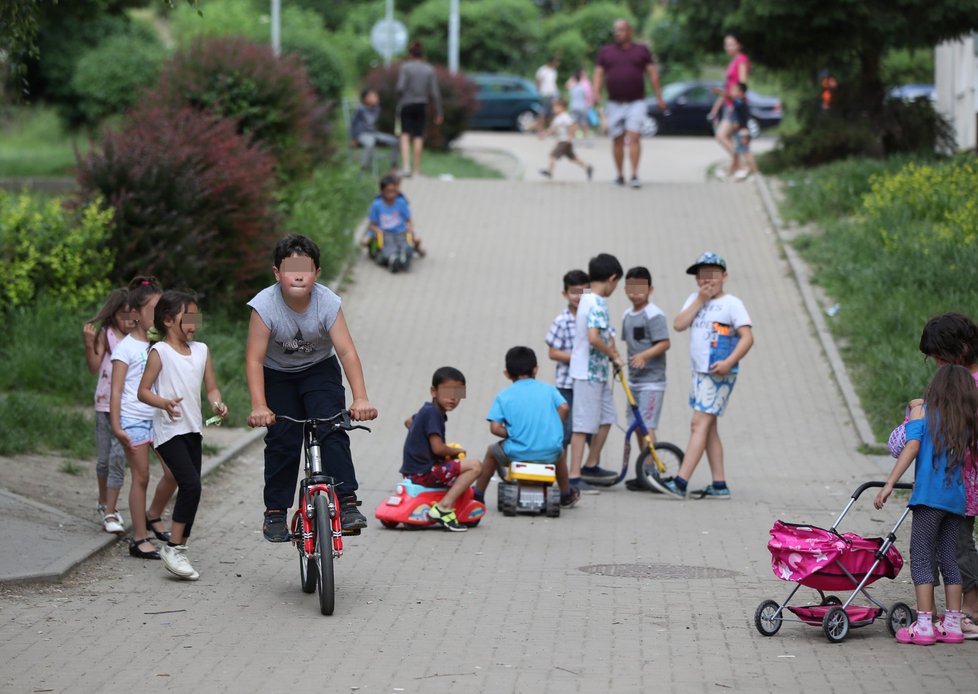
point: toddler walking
(940, 436)
(176, 366)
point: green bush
(496, 35)
(907, 253)
(112, 76)
(571, 49)
(327, 207)
(52, 253)
(268, 98)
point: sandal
(134, 550)
(161, 535)
(910, 635)
(969, 628)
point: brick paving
(506, 606)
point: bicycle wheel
(324, 550)
(646, 471)
(307, 565)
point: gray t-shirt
(641, 330)
(298, 340)
(416, 81)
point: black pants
(182, 455)
(313, 392)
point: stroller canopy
(819, 559)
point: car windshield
(671, 91)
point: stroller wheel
(767, 618)
(835, 624)
(900, 616)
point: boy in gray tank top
(297, 340)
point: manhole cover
(657, 571)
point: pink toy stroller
(829, 561)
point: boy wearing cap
(720, 336)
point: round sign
(389, 37)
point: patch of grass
(435, 164)
(71, 468)
(210, 449)
(33, 143)
(895, 245)
(34, 423)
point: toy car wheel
(900, 616)
(389, 524)
(835, 624)
(471, 524)
(767, 618)
(648, 474)
(508, 498)
(553, 501)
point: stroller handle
(879, 485)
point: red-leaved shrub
(458, 96)
(192, 200)
(269, 98)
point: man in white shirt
(546, 79)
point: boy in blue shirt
(390, 219)
(528, 417)
(431, 462)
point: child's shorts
(741, 144)
(563, 149)
(649, 406)
(593, 406)
(709, 393)
(139, 431)
(440, 474)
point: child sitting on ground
(390, 222)
(528, 417)
(431, 462)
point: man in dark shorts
(622, 66)
(416, 84)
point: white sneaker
(176, 562)
(112, 523)
(742, 175)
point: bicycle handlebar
(340, 420)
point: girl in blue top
(939, 436)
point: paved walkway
(625, 593)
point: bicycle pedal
(351, 531)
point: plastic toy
(529, 488)
(410, 502)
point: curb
(519, 167)
(799, 269)
(79, 553)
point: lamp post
(453, 37)
(277, 27)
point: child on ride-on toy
(390, 238)
(528, 417)
(431, 462)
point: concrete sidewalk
(627, 592)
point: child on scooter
(528, 416)
(428, 459)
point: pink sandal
(945, 636)
(910, 635)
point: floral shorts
(440, 474)
(709, 393)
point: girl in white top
(132, 421)
(106, 330)
(171, 383)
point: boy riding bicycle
(297, 340)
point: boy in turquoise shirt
(528, 417)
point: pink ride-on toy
(410, 502)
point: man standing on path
(546, 79)
(622, 67)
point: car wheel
(650, 126)
(754, 128)
(525, 121)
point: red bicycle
(316, 529)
